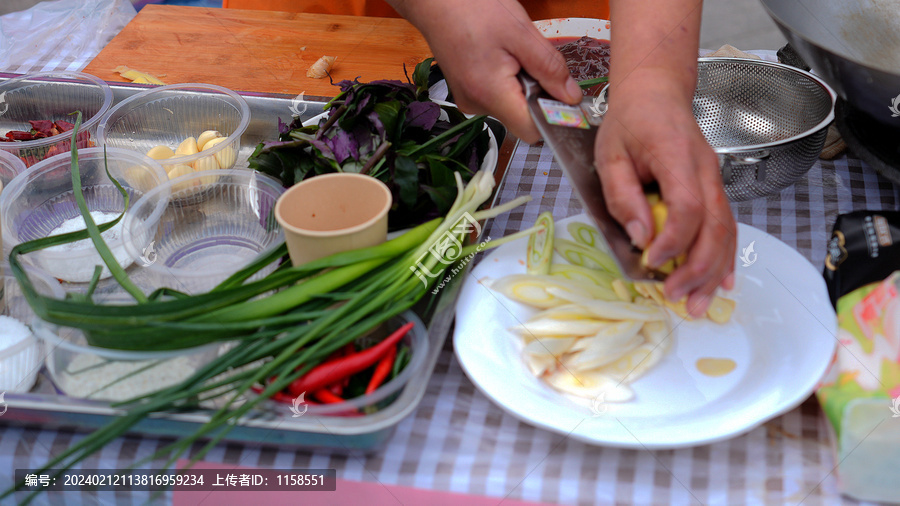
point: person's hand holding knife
(648, 133)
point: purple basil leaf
(422, 115)
(343, 145)
(323, 148)
(376, 122)
(364, 140)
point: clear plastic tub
(52, 96)
(167, 115)
(88, 372)
(20, 363)
(10, 167)
(416, 340)
(39, 201)
(192, 248)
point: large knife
(570, 131)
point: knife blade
(570, 132)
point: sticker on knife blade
(562, 114)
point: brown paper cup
(331, 213)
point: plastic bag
(861, 393)
(60, 34)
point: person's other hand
(481, 46)
(649, 134)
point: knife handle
(530, 86)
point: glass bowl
(167, 115)
(20, 363)
(39, 201)
(52, 96)
(416, 340)
(194, 247)
(90, 372)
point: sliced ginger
(660, 214)
(720, 309)
(136, 76)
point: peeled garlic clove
(210, 166)
(138, 178)
(206, 137)
(179, 170)
(206, 163)
(161, 153)
(187, 147)
(226, 157)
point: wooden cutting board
(261, 51)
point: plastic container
(416, 340)
(89, 372)
(52, 96)
(167, 115)
(192, 248)
(41, 199)
(10, 167)
(20, 363)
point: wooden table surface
(260, 51)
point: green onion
(587, 83)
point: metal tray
(44, 406)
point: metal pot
(854, 45)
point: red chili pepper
(337, 388)
(382, 370)
(324, 395)
(277, 396)
(334, 371)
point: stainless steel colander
(766, 121)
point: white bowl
(574, 27)
(20, 363)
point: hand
(649, 134)
(481, 46)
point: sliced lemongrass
(540, 246)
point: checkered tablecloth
(459, 441)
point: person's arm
(481, 46)
(649, 134)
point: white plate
(781, 336)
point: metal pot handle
(739, 159)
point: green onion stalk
(289, 321)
